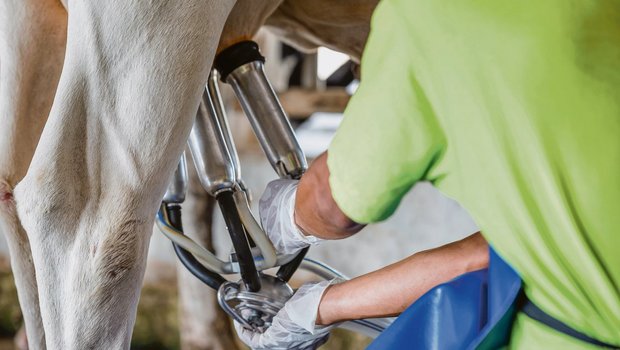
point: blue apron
(473, 311)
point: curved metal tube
(321, 270)
(255, 231)
(207, 258)
(371, 327)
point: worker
(513, 109)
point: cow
(96, 102)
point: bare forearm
(316, 211)
(390, 290)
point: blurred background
(176, 311)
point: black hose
(208, 277)
(205, 275)
(285, 272)
(248, 271)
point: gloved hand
(277, 209)
(294, 326)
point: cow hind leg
(32, 46)
(133, 75)
(21, 264)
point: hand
(294, 327)
(277, 209)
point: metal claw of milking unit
(257, 297)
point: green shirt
(513, 109)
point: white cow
(80, 219)
(96, 102)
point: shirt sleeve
(389, 138)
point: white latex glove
(277, 209)
(294, 326)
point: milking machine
(256, 298)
